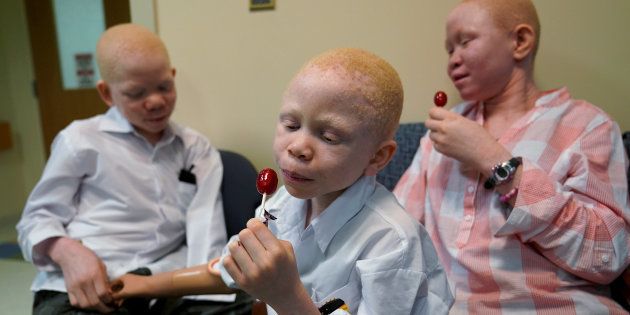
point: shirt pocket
(185, 194)
(350, 294)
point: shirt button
(468, 217)
(471, 189)
(605, 258)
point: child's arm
(265, 267)
(199, 279)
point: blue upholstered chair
(408, 138)
(238, 190)
(626, 143)
(618, 287)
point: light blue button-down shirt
(365, 249)
(106, 186)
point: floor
(16, 274)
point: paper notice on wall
(84, 63)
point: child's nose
(300, 149)
(454, 60)
(154, 101)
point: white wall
(233, 64)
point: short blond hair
(373, 79)
(121, 42)
(507, 14)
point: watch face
(502, 173)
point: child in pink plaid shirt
(523, 191)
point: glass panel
(79, 23)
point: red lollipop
(440, 99)
(266, 183)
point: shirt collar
(114, 121)
(344, 208)
(554, 97)
(549, 99)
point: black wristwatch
(503, 172)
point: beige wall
(20, 166)
(233, 64)
(586, 47)
(143, 13)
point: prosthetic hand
(201, 279)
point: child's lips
(456, 78)
(294, 177)
(157, 118)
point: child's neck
(313, 210)
(317, 205)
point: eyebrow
(334, 125)
(287, 114)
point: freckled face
(321, 145)
(480, 60)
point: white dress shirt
(365, 249)
(109, 188)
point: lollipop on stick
(266, 183)
(440, 98)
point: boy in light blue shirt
(338, 234)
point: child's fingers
(264, 235)
(241, 258)
(438, 113)
(103, 292)
(232, 268)
(431, 124)
(252, 245)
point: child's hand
(265, 267)
(84, 273)
(464, 140)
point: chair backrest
(618, 288)
(408, 138)
(238, 190)
(626, 143)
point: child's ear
(382, 156)
(104, 92)
(524, 41)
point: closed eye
(289, 122)
(330, 137)
(167, 87)
(134, 95)
(449, 48)
(290, 125)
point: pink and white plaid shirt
(568, 233)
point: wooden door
(58, 106)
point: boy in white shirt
(126, 190)
(338, 234)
